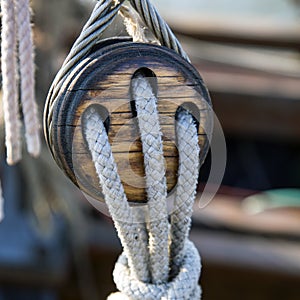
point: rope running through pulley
(159, 261)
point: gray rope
(102, 16)
(158, 26)
(185, 260)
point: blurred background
(55, 246)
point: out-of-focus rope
(10, 82)
(17, 63)
(27, 80)
(17, 68)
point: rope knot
(183, 286)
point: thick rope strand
(132, 234)
(26, 58)
(10, 83)
(156, 184)
(102, 16)
(158, 26)
(183, 286)
(181, 217)
(150, 279)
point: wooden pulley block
(103, 79)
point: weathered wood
(104, 81)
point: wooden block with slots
(104, 79)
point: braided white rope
(10, 83)
(186, 260)
(183, 287)
(156, 183)
(17, 61)
(186, 187)
(185, 284)
(142, 271)
(132, 233)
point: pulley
(104, 79)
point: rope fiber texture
(18, 72)
(131, 234)
(158, 261)
(147, 242)
(156, 182)
(102, 16)
(17, 68)
(27, 81)
(10, 93)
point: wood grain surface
(104, 80)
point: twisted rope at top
(149, 268)
(102, 16)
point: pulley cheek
(104, 79)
